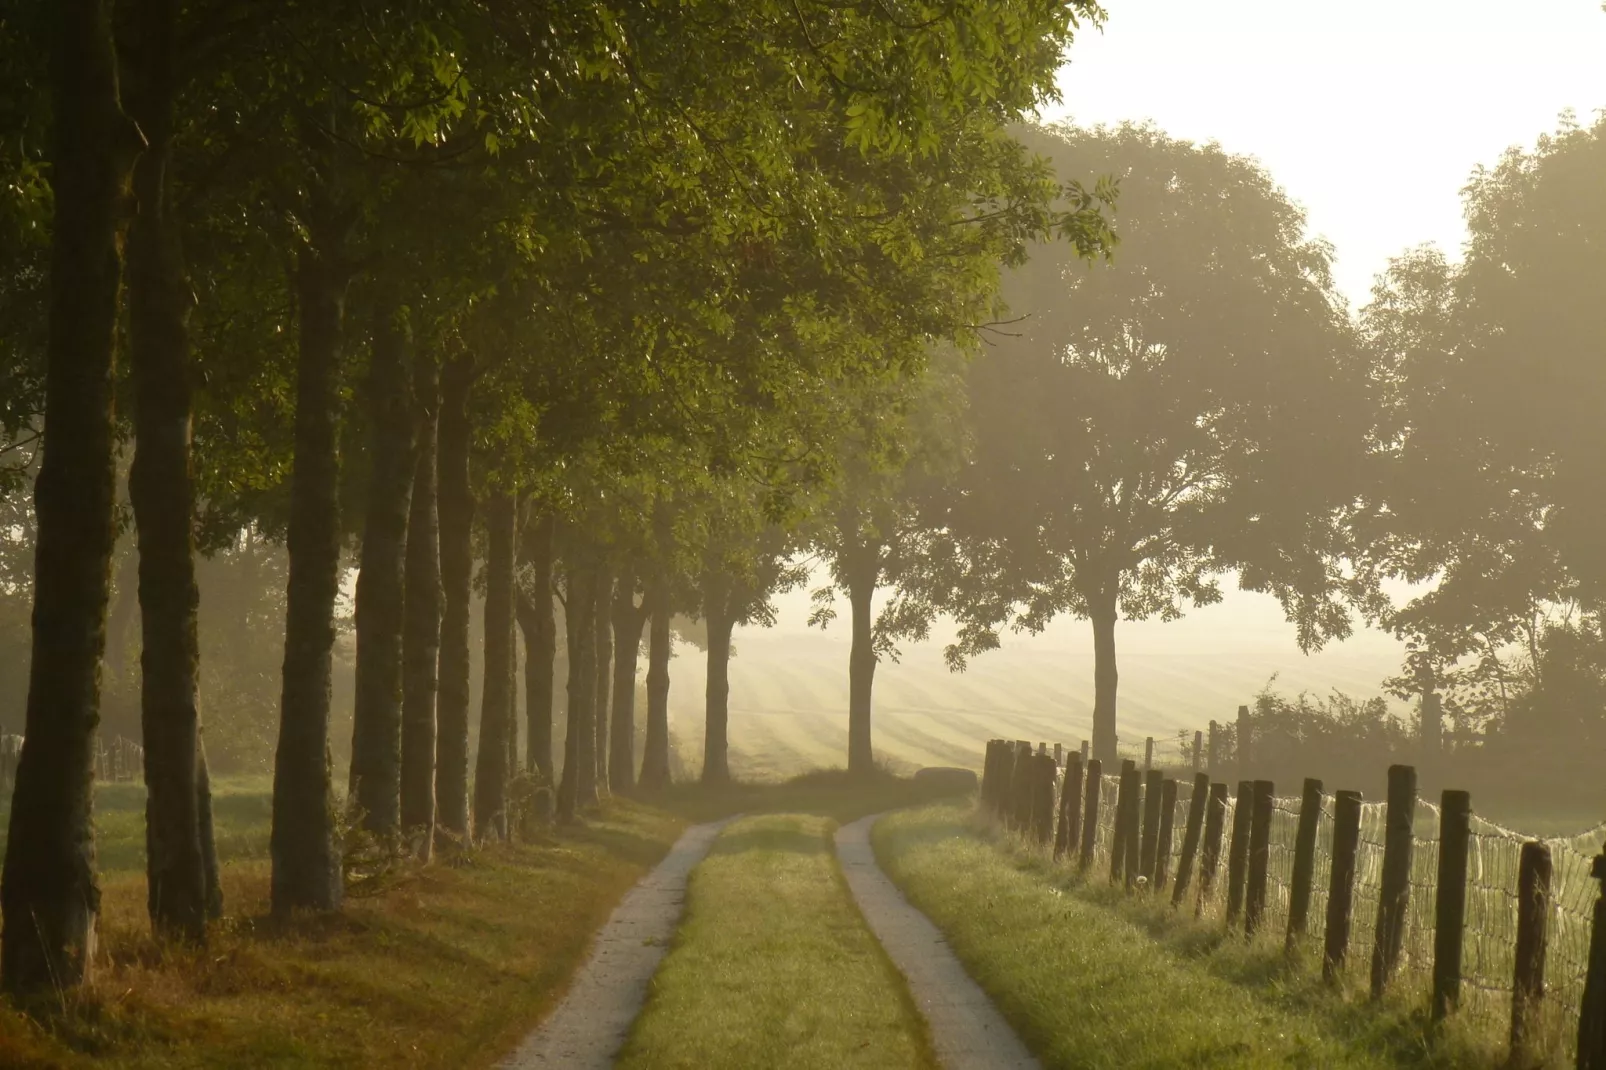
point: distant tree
(1196, 407)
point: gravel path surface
(589, 1027)
(966, 1029)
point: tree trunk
(456, 510)
(376, 724)
(716, 709)
(421, 627)
(490, 768)
(862, 573)
(655, 749)
(627, 624)
(604, 627)
(161, 489)
(578, 786)
(1102, 608)
(513, 677)
(540, 630)
(306, 858)
(49, 894)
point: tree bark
(376, 724)
(49, 894)
(604, 647)
(655, 773)
(1102, 609)
(161, 489)
(540, 630)
(716, 697)
(513, 677)
(628, 620)
(578, 786)
(456, 513)
(306, 858)
(421, 627)
(490, 767)
(863, 568)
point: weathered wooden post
(1134, 830)
(1148, 753)
(1533, 938)
(1213, 755)
(1592, 1012)
(1148, 847)
(1238, 850)
(1059, 754)
(1262, 802)
(1090, 813)
(1070, 807)
(1450, 900)
(1304, 875)
(1341, 885)
(1126, 791)
(1168, 814)
(986, 794)
(1020, 801)
(1394, 897)
(1190, 836)
(1086, 746)
(1198, 751)
(1046, 773)
(1210, 855)
(1245, 742)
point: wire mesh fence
(1488, 957)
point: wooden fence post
(1190, 836)
(1592, 1011)
(1304, 875)
(1214, 753)
(1245, 742)
(1045, 773)
(1148, 753)
(1123, 807)
(1134, 830)
(1238, 850)
(1450, 900)
(1059, 754)
(1261, 804)
(1394, 897)
(1090, 813)
(1070, 807)
(1020, 796)
(987, 761)
(1341, 885)
(1148, 848)
(1528, 978)
(1210, 855)
(1198, 751)
(1168, 815)
(1086, 746)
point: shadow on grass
(829, 793)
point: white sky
(1370, 113)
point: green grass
(824, 793)
(774, 967)
(1093, 979)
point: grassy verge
(773, 965)
(1091, 978)
(826, 793)
(449, 966)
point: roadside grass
(1093, 978)
(773, 965)
(448, 965)
(824, 793)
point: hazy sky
(1371, 113)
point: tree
(1195, 407)
(49, 894)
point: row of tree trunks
(182, 879)
(491, 768)
(539, 625)
(455, 498)
(421, 635)
(376, 729)
(49, 894)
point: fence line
(1488, 955)
(116, 759)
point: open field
(773, 965)
(1090, 979)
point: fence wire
(1489, 942)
